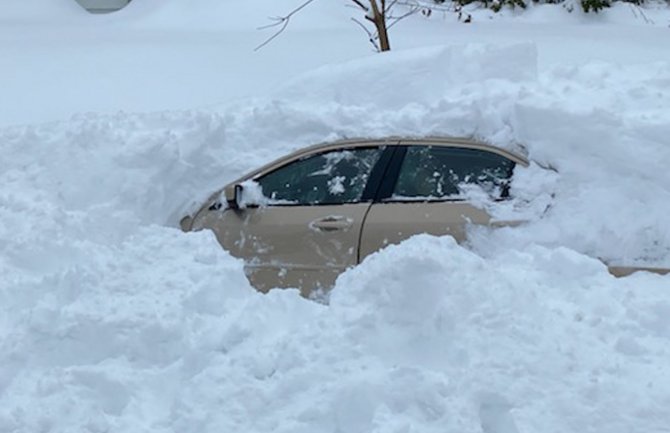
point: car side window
(334, 177)
(436, 172)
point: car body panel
(624, 271)
(394, 217)
(391, 223)
(290, 246)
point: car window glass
(441, 172)
(328, 178)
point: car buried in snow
(303, 219)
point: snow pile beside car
(161, 333)
(602, 126)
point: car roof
(460, 142)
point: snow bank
(426, 74)
(162, 333)
(179, 54)
(597, 124)
(112, 320)
(540, 340)
(85, 337)
(602, 126)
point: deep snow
(112, 320)
(56, 61)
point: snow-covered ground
(112, 320)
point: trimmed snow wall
(112, 320)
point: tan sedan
(302, 220)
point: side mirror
(233, 193)
(244, 195)
(186, 223)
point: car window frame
(370, 189)
(386, 189)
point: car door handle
(506, 223)
(331, 223)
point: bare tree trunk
(377, 12)
(379, 19)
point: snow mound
(596, 125)
(425, 74)
(82, 340)
(112, 320)
(155, 333)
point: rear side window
(435, 172)
(333, 177)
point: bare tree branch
(372, 37)
(282, 22)
(361, 5)
(378, 12)
(395, 20)
(427, 5)
(390, 6)
(639, 10)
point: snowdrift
(162, 333)
(112, 320)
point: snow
(113, 320)
(252, 194)
(41, 11)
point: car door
(306, 228)
(422, 193)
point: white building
(103, 6)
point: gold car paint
(309, 246)
(290, 246)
